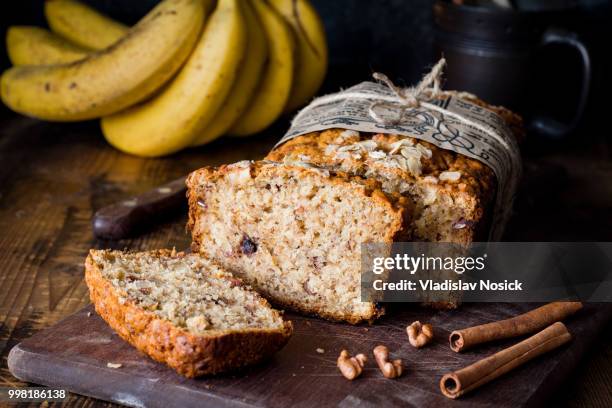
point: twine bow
(408, 98)
(404, 99)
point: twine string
(404, 99)
(414, 97)
(428, 87)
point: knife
(136, 214)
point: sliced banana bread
(183, 310)
(294, 232)
(292, 224)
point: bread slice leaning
(183, 310)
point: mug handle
(548, 126)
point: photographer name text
(447, 285)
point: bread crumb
(320, 350)
(449, 176)
(377, 154)
(349, 133)
(114, 365)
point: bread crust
(190, 355)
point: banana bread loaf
(292, 225)
(183, 310)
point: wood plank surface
(74, 355)
(53, 177)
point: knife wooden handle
(128, 217)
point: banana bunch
(189, 72)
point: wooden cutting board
(74, 354)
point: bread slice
(183, 310)
(294, 232)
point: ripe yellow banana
(273, 91)
(311, 55)
(246, 81)
(113, 79)
(173, 118)
(83, 25)
(28, 45)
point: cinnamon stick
(526, 323)
(457, 383)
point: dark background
(397, 37)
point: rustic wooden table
(53, 177)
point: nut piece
(390, 369)
(419, 334)
(351, 367)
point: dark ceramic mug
(491, 53)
